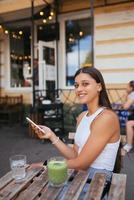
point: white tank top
(106, 159)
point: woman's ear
(99, 87)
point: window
(78, 46)
(20, 57)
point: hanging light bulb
(81, 33)
(6, 31)
(0, 26)
(50, 17)
(51, 13)
(40, 28)
(20, 32)
(44, 21)
(41, 13)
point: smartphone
(29, 120)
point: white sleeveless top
(107, 157)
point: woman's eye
(85, 84)
(76, 85)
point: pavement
(16, 140)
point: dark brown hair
(131, 83)
(97, 76)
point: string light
(41, 13)
(40, 28)
(80, 33)
(50, 17)
(6, 31)
(44, 21)
(51, 13)
(20, 32)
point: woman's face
(86, 88)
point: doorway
(47, 68)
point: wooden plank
(117, 55)
(114, 41)
(76, 186)
(52, 192)
(118, 187)
(115, 8)
(5, 180)
(96, 187)
(35, 188)
(8, 177)
(12, 189)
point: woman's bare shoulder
(109, 123)
(109, 114)
(108, 117)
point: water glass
(57, 171)
(18, 164)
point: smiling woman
(97, 135)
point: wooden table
(36, 186)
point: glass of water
(18, 164)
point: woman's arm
(128, 103)
(105, 129)
(65, 150)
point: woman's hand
(46, 132)
(36, 165)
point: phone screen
(29, 120)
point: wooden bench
(11, 109)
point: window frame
(62, 45)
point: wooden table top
(35, 186)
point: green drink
(57, 171)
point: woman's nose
(79, 88)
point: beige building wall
(114, 43)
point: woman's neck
(92, 109)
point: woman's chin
(82, 101)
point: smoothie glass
(57, 171)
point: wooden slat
(117, 55)
(117, 25)
(8, 177)
(114, 41)
(115, 8)
(12, 189)
(123, 139)
(118, 187)
(35, 188)
(50, 193)
(76, 186)
(112, 70)
(96, 187)
(5, 180)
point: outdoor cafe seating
(49, 113)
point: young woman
(130, 123)
(97, 135)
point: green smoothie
(57, 172)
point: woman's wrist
(54, 139)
